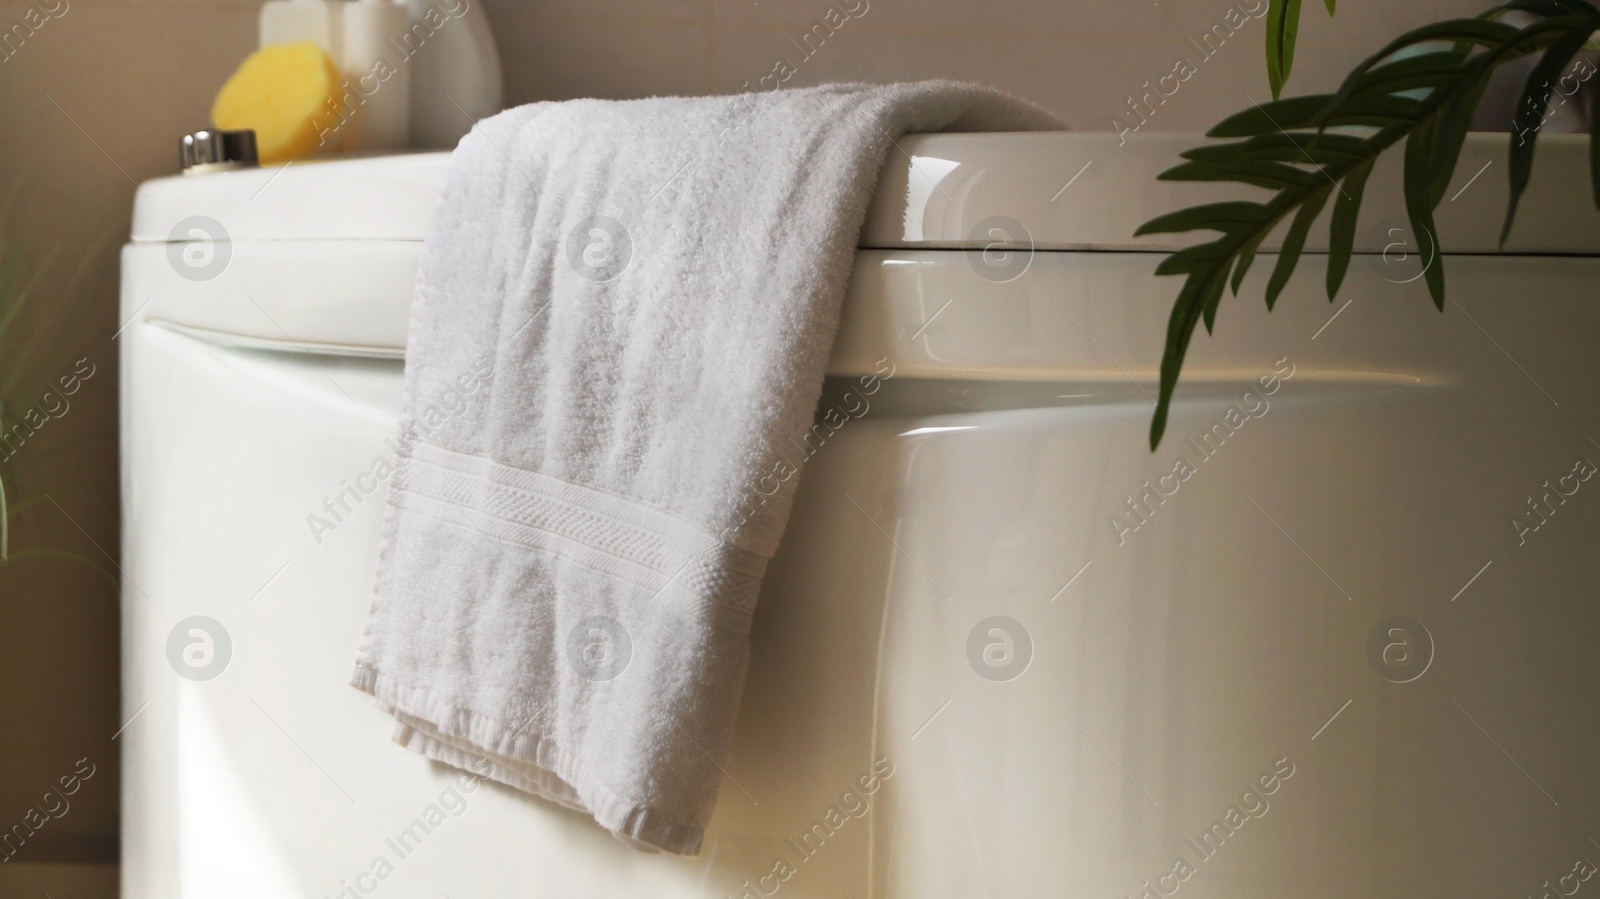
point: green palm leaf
(1286, 146)
(1283, 24)
(1531, 107)
(1342, 227)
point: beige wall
(1081, 60)
(91, 102)
(96, 99)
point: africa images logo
(599, 248)
(198, 648)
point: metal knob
(205, 151)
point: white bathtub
(1301, 650)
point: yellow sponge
(286, 93)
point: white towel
(619, 335)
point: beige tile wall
(95, 100)
(1081, 60)
(91, 102)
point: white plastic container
(375, 78)
(289, 21)
(455, 71)
(366, 39)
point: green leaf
(1315, 111)
(1287, 144)
(1342, 226)
(1273, 117)
(1529, 117)
(1247, 255)
(1454, 121)
(1548, 8)
(1283, 24)
(1419, 208)
(1375, 109)
(1427, 70)
(1478, 32)
(1320, 149)
(1295, 241)
(1212, 299)
(1210, 217)
(1186, 314)
(1330, 6)
(1271, 175)
(1191, 259)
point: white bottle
(366, 40)
(377, 83)
(291, 21)
(455, 70)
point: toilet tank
(1332, 638)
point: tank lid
(356, 198)
(1048, 190)
(1091, 191)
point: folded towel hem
(446, 732)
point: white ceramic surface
(1092, 191)
(1155, 662)
(1065, 190)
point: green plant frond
(1427, 70)
(1530, 112)
(1456, 116)
(1267, 174)
(1295, 241)
(1376, 110)
(1226, 216)
(1297, 113)
(1281, 147)
(1271, 118)
(1463, 33)
(1454, 121)
(1419, 205)
(23, 505)
(1287, 146)
(1191, 259)
(1545, 8)
(1186, 313)
(1283, 28)
(1212, 299)
(1342, 226)
(1283, 25)
(1247, 255)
